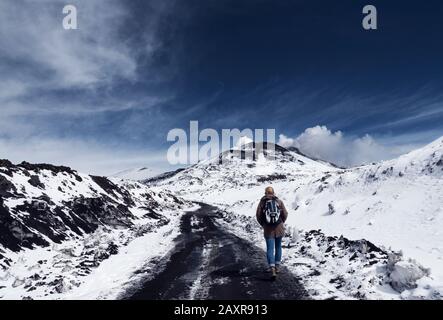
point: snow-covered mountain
(394, 204)
(136, 174)
(57, 225)
(240, 169)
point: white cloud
(31, 34)
(48, 73)
(285, 141)
(320, 142)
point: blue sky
(102, 98)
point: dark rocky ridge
(31, 219)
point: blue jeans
(272, 243)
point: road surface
(209, 262)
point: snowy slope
(58, 225)
(136, 174)
(396, 203)
(233, 172)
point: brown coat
(272, 231)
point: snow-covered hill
(396, 203)
(136, 174)
(235, 170)
(57, 225)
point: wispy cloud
(32, 36)
(59, 89)
(45, 67)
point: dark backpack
(271, 212)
